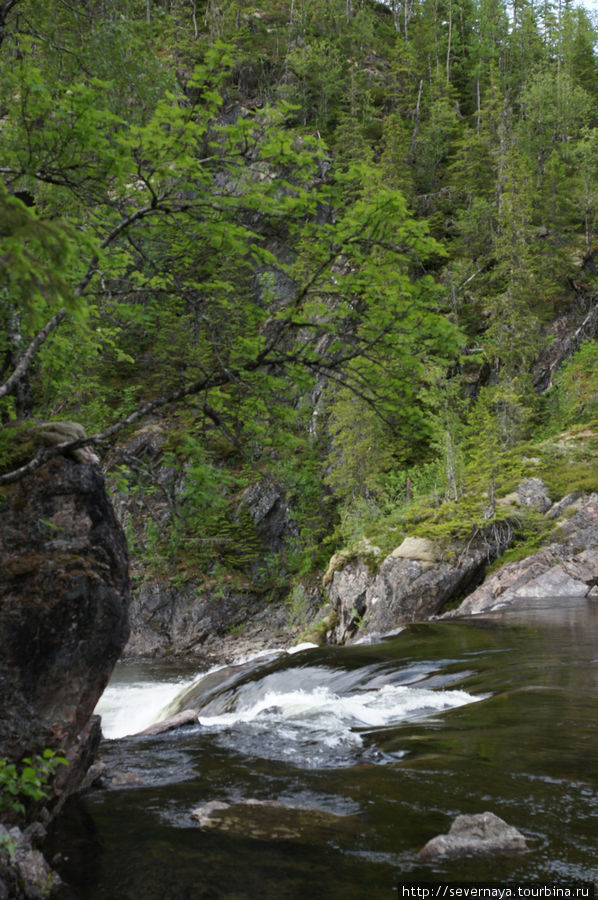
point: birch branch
(27, 357)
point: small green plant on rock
(359, 620)
(7, 845)
(298, 606)
(27, 781)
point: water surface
(369, 750)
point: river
(356, 757)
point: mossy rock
(19, 443)
(419, 548)
(316, 634)
(17, 446)
(363, 549)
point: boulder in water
(481, 833)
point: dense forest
(341, 247)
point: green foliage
(574, 397)
(16, 446)
(297, 606)
(29, 781)
(35, 256)
(7, 845)
(357, 319)
(531, 531)
(361, 449)
(569, 460)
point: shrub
(28, 780)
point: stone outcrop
(183, 618)
(566, 567)
(270, 512)
(24, 873)
(420, 577)
(412, 584)
(483, 833)
(171, 613)
(64, 596)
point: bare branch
(26, 358)
(5, 8)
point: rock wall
(174, 613)
(566, 567)
(419, 578)
(64, 596)
(412, 584)
(182, 619)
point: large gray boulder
(482, 833)
(64, 597)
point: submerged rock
(205, 688)
(126, 779)
(204, 813)
(481, 833)
(267, 820)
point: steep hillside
(306, 271)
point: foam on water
(366, 709)
(129, 708)
(318, 727)
(273, 717)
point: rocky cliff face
(419, 579)
(178, 607)
(64, 595)
(412, 584)
(566, 567)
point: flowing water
(351, 758)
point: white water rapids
(309, 714)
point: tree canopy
(330, 229)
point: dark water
(360, 743)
